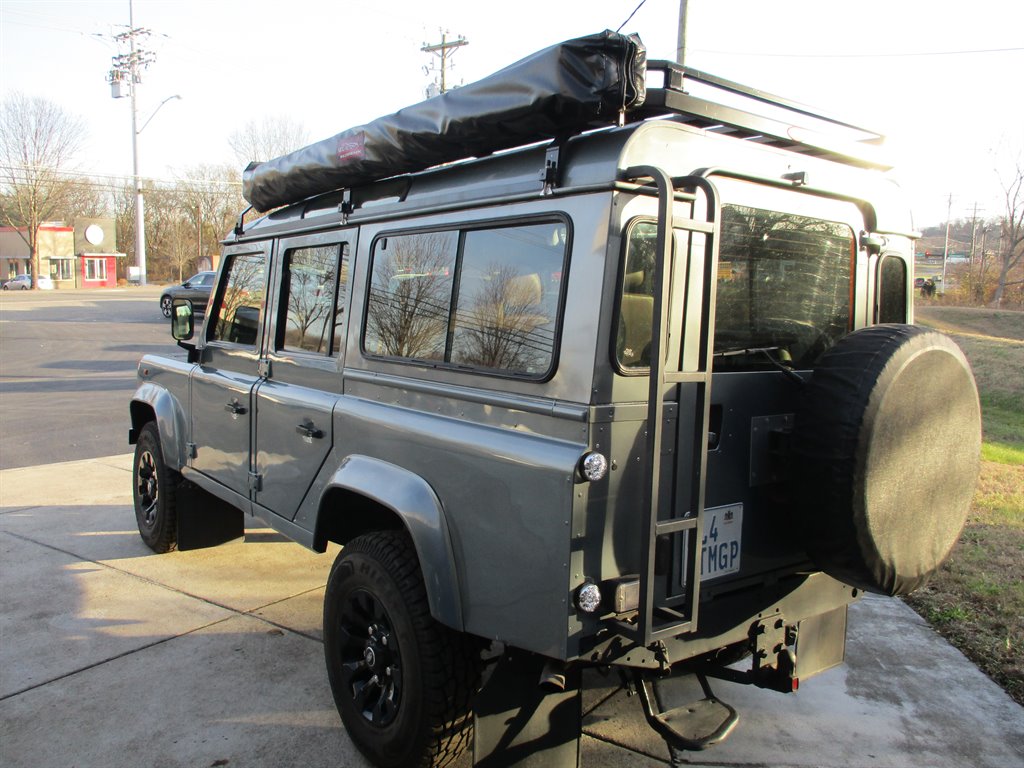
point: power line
(891, 55)
(628, 18)
(116, 177)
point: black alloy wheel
(402, 682)
(154, 487)
(371, 662)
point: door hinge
(191, 450)
(263, 368)
(255, 482)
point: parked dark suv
(644, 398)
(196, 289)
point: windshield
(784, 290)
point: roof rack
(798, 128)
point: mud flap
(520, 724)
(204, 520)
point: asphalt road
(67, 370)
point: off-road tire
(412, 706)
(154, 489)
(886, 448)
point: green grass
(1003, 420)
(976, 600)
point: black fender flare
(170, 419)
(414, 502)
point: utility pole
(126, 73)
(974, 231)
(945, 248)
(444, 50)
(681, 37)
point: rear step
(691, 727)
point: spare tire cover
(886, 448)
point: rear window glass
(481, 299)
(784, 290)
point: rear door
(229, 369)
(295, 402)
(790, 284)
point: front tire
(154, 487)
(402, 682)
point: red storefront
(97, 270)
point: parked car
(24, 283)
(196, 289)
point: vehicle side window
(410, 295)
(312, 306)
(892, 290)
(236, 317)
(485, 299)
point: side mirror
(183, 327)
(183, 324)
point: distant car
(24, 282)
(196, 288)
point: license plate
(720, 546)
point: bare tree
(266, 139)
(38, 144)
(211, 199)
(1011, 236)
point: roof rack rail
(797, 128)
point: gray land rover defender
(580, 371)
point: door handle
(308, 430)
(235, 408)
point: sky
(943, 80)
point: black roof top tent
(581, 84)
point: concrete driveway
(113, 656)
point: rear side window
(481, 299)
(311, 309)
(236, 317)
(784, 290)
(892, 290)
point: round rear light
(588, 597)
(593, 466)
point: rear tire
(154, 489)
(402, 682)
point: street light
(127, 71)
(140, 218)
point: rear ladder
(673, 613)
